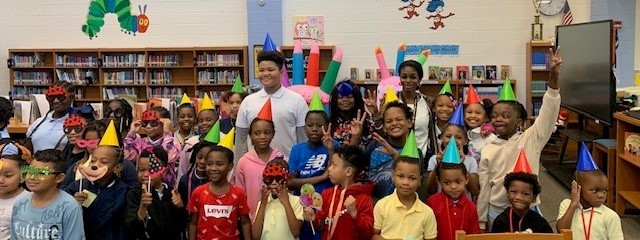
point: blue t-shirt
(61, 219)
(307, 161)
(381, 169)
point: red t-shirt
(462, 215)
(218, 214)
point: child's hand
(575, 193)
(357, 124)
(282, 194)
(308, 214)
(370, 102)
(350, 204)
(264, 194)
(327, 138)
(556, 60)
(387, 147)
(176, 199)
(145, 198)
(80, 197)
(166, 124)
(135, 126)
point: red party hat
(472, 95)
(265, 112)
(522, 164)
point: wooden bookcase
(432, 87)
(146, 72)
(535, 74)
(326, 54)
(627, 190)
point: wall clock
(551, 7)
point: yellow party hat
(110, 137)
(207, 104)
(185, 99)
(228, 139)
(391, 96)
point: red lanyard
(451, 230)
(511, 221)
(587, 231)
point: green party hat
(446, 89)
(410, 148)
(506, 94)
(213, 136)
(316, 103)
(451, 154)
(237, 86)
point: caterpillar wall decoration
(130, 24)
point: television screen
(586, 81)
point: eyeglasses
(77, 129)
(153, 123)
(90, 144)
(118, 112)
(60, 97)
(36, 173)
(269, 179)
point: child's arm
(184, 162)
(565, 213)
(357, 128)
(193, 224)
(245, 221)
(132, 143)
(485, 192)
(362, 216)
(258, 220)
(292, 215)
(432, 180)
(474, 185)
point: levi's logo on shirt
(217, 211)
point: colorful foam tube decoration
(422, 58)
(402, 49)
(298, 64)
(313, 67)
(330, 77)
(382, 64)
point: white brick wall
(488, 31)
(173, 23)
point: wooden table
(17, 128)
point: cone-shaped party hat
(472, 95)
(390, 96)
(265, 112)
(316, 103)
(506, 94)
(457, 118)
(207, 104)
(522, 164)
(585, 160)
(451, 154)
(185, 99)
(110, 137)
(237, 86)
(269, 46)
(228, 139)
(213, 136)
(446, 88)
(410, 148)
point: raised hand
(387, 147)
(176, 199)
(308, 214)
(80, 197)
(370, 102)
(282, 194)
(264, 194)
(350, 205)
(575, 193)
(135, 126)
(556, 64)
(145, 198)
(327, 137)
(357, 124)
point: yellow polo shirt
(605, 224)
(275, 218)
(396, 221)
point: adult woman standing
(47, 131)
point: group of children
(360, 174)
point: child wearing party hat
(452, 208)
(46, 210)
(585, 214)
(157, 135)
(443, 106)
(476, 118)
(186, 120)
(309, 160)
(508, 118)
(154, 210)
(101, 193)
(454, 130)
(233, 99)
(206, 119)
(522, 189)
(262, 133)
(413, 219)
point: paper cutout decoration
(237, 85)
(331, 75)
(228, 140)
(155, 167)
(451, 154)
(472, 96)
(522, 164)
(185, 99)
(446, 89)
(129, 23)
(265, 112)
(457, 118)
(150, 115)
(55, 90)
(506, 94)
(110, 137)
(410, 148)
(73, 121)
(316, 103)
(402, 50)
(274, 172)
(310, 198)
(92, 173)
(585, 160)
(207, 104)
(390, 96)
(213, 136)
(269, 46)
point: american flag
(567, 18)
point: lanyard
(511, 221)
(451, 230)
(587, 231)
(333, 217)
(415, 106)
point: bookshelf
(326, 53)
(537, 75)
(627, 188)
(485, 88)
(101, 74)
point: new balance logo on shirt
(315, 164)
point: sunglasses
(36, 173)
(269, 179)
(77, 129)
(60, 97)
(90, 144)
(118, 112)
(85, 109)
(153, 123)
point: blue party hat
(457, 118)
(585, 160)
(269, 46)
(451, 154)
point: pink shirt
(248, 175)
